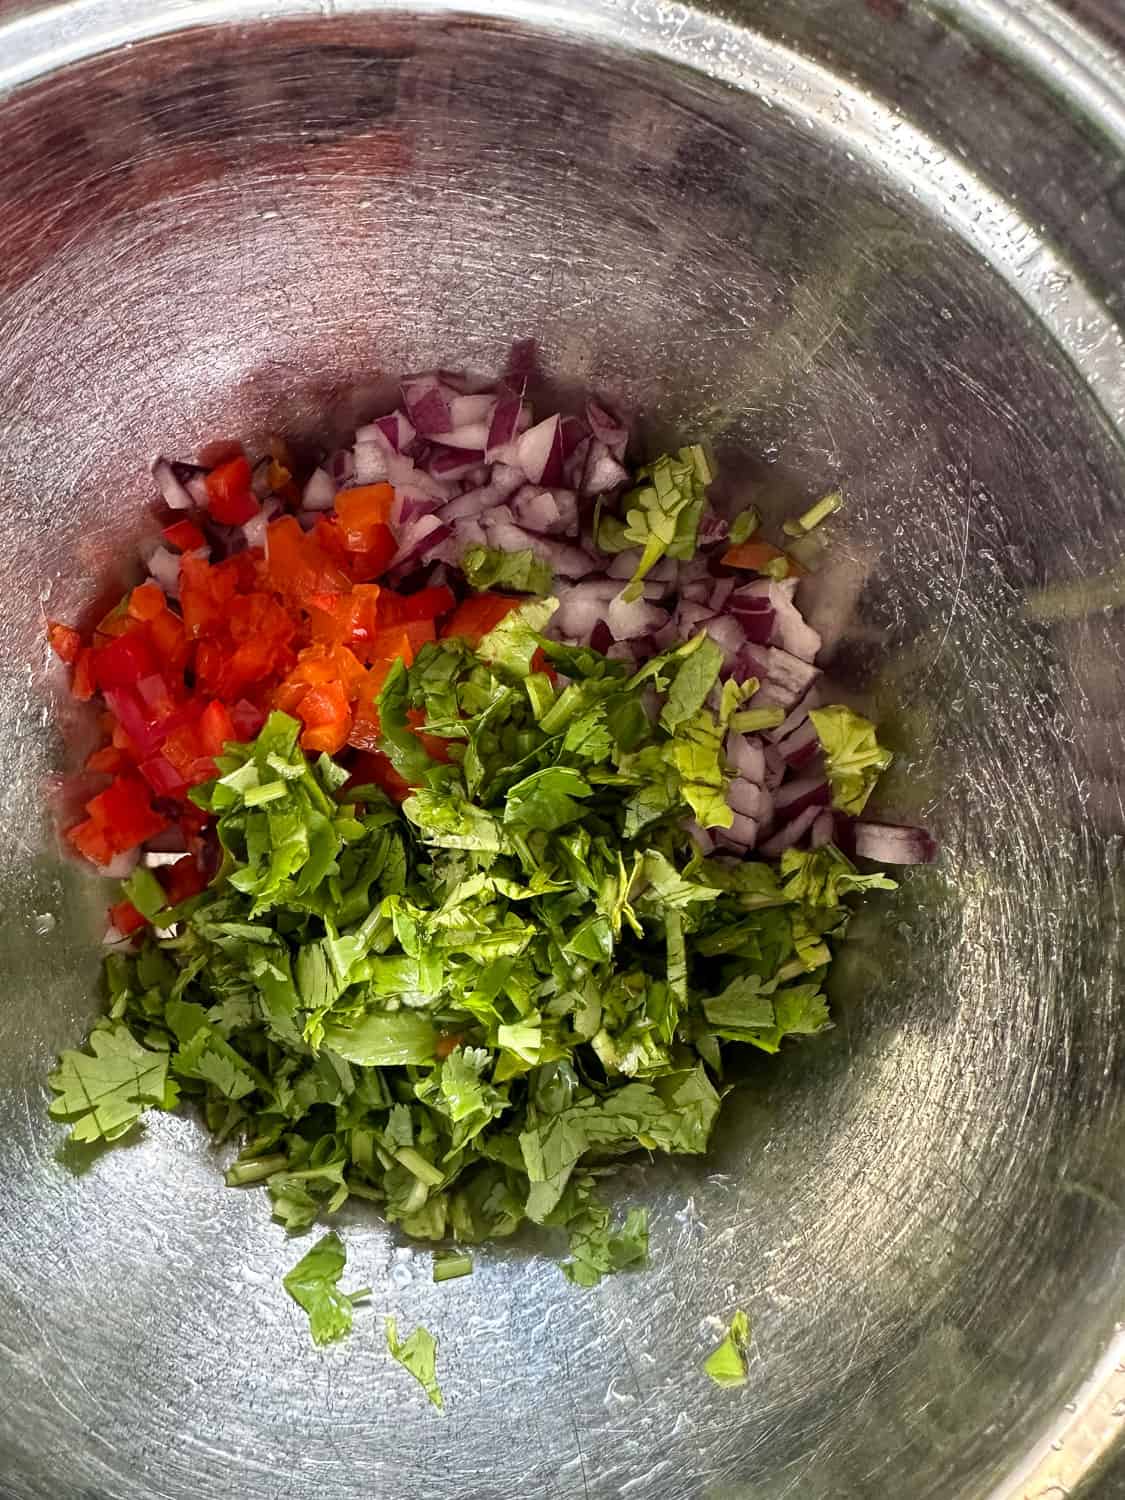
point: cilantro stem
(450, 1267)
(243, 1173)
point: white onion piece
(320, 491)
(370, 463)
(121, 865)
(164, 566)
(539, 452)
(174, 493)
(602, 472)
(628, 621)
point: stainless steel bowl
(879, 245)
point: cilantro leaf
(726, 1366)
(103, 1093)
(853, 756)
(312, 1283)
(596, 1250)
(662, 512)
(418, 1354)
(513, 642)
(488, 568)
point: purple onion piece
(539, 452)
(894, 844)
(790, 834)
(608, 429)
(747, 755)
(822, 830)
(806, 791)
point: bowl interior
(252, 228)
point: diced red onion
(574, 469)
(538, 452)
(395, 432)
(370, 463)
(510, 417)
(419, 538)
(787, 627)
(341, 465)
(174, 492)
(791, 834)
(120, 867)
(894, 844)
(448, 463)
(624, 564)
(427, 400)
(603, 471)
(254, 530)
(405, 475)
(196, 487)
(713, 528)
(748, 757)
(608, 429)
(742, 833)
(748, 798)
(822, 830)
(406, 508)
(785, 678)
(471, 503)
(470, 420)
(798, 748)
(628, 621)
(699, 837)
(319, 492)
(164, 566)
(806, 791)
(799, 712)
(503, 533)
(728, 634)
(775, 769)
(550, 512)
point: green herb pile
(467, 1009)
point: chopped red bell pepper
(374, 768)
(66, 643)
(92, 841)
(163, 777)
(216, 727)
(475, 617)
(435, 747)
(125, 813)
(123, 661)
(247, 720)
(230, 499)
(327, 717)
(185, 536)
(406, 609)
(126, 918)
(146, 602)
(361, 512)
(182, 880)
(83, 684)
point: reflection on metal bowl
(875, 245)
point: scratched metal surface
(881, 246)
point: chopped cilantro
(312, 1283)
(466, 1008)
(727, 1364)
(418, 1354)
